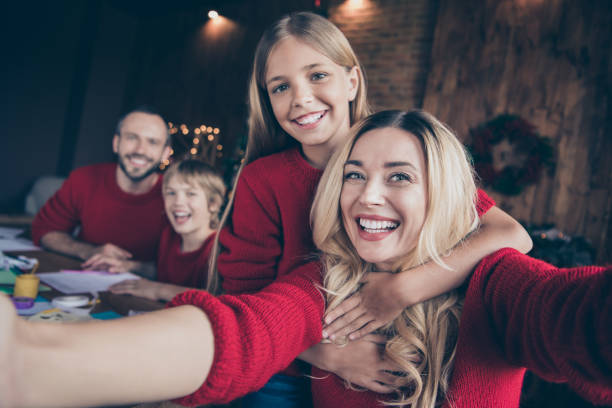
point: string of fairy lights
(198, 142)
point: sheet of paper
(70, 282)
(17, 244)
(10, 233)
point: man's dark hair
(143, 109)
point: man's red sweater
(519, 312)
(91, 198)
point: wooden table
(122, 304)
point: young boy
(193, 194)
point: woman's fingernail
(324, 334)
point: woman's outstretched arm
(217, 351)
(553, 321)
(150, 357)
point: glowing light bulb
(219, 147)
(193, 151)
(196, 140)
(216, 131)
(210, 138)
(212, 14)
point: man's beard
(136, 179)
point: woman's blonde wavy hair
(265, 134)
(422, 339)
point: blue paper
(108, 315)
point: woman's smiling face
(384, 195)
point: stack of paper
(71, 282)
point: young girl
(307, 88)
(517, 311)
(193, 194)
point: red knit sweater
(91, 198)
(518, 312)
(269, 234)
(182, 268)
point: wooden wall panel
(549, 62)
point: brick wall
(393, 40)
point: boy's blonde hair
(199, 174)
(265, 135)
(422, 339)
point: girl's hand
(369, 371)
(137, 287)
(374, 305)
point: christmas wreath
(531, 151)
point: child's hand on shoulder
(370, 371)
(373, 306)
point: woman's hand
(374, 305)
(369, 370)
(137, 287)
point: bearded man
(118, 207)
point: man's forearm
(62, 242)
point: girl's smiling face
(310, 96)
(384, 195)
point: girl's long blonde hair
(422, 339)
(265, 134)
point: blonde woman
(401, 193)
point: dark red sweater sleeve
(59, 213)
(257, 335)
(483, 203)
(555, 322)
